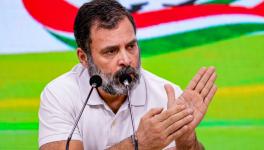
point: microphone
(126, 79)
(95, 82)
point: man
(164, 115)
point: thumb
(170, 95)
(153, 112)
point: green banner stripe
(182, 41)
(69, 41)
(237, 123)
(206, 123)
(185, 40)
(18, 126)
(220, 2)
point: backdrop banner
(47, 25)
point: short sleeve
(56, 117)
(178, 90)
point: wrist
(142, 145)
(139, 141)
(188, 142)
(134, 141)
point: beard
(110, 82)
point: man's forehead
(122, 32)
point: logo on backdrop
(161, 19)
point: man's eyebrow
(132, 41)
(116, 46)
(109, 48)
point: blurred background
(176, 38)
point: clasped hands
(158, 127)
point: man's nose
(124, 58)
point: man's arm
(128, 145)
(158, 128)
(61, 145)
(197, 96)
(191, 144)
(125, 144)
(56, 121)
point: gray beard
(110, 82)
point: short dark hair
(108, 13)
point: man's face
(114, 52)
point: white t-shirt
(99, 128)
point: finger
(176, 117)
(170, 95)
(196, 78)
(152, 112)
(210, 95)
(169, 112)
(204, 79)
(208, 85)
(179, 124)
(178, 133)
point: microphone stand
(95, 81)
(134, 138)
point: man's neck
(113, 101)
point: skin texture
(197, 97)
(112, 49)
(61, 145)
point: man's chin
(114, 92)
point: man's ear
(82, 57)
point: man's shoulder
(156, 93)
(63, 89)
(156, 83)
(67, 80)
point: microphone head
(96, 81)
(125, 77)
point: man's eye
(110, 52)
(131, 46)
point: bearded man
(165, 117)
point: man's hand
(61, 145)
(158, 128)
(197, 97)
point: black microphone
(95, 82)
(126, 79)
